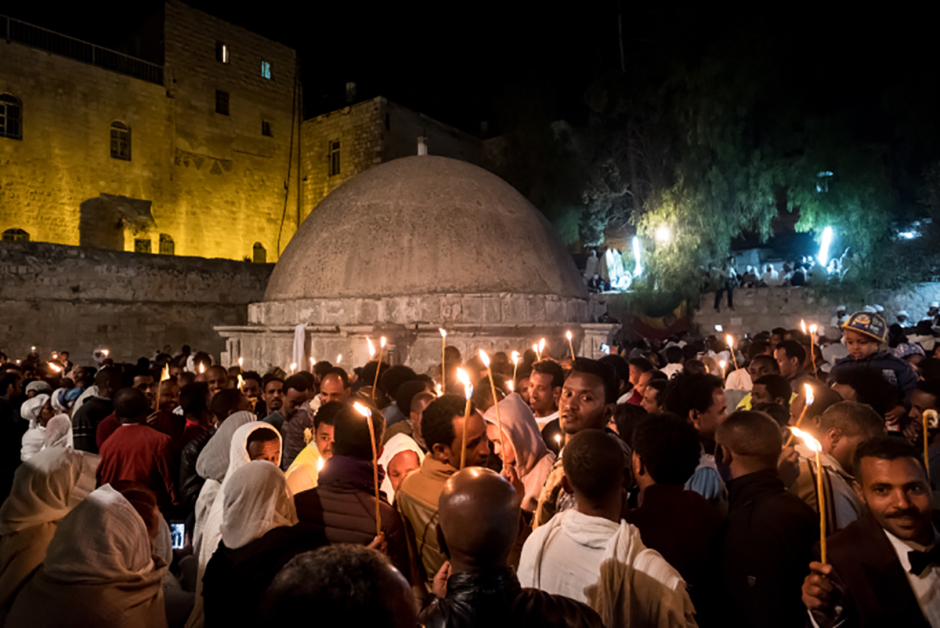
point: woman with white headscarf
(58, 432)
(526, 452)
(38, 411)
(258, 538)
(212, 531)
(98, 571)
(44, 490)
(401, 456)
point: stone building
(340, 144)
(190, 147)
(410, 246)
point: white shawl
(396, 445)
(256, 501)
(98, 571)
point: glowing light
(809, 394)
(32, 349)
(568, 335)
(464, 379)
(371, 348)
(485, 358)
(730, 340)
(663, 234)
(510, 386)
(313, 362)
(443, 332)
(807, 438)
(382, 342)
(823, 256)
(535, 349)
(438, 390)
(241, 382)
(165, 373)
(361, 409)
(241, 362)
(339, 358)
(637, 269)
(812, 329)
(803, 326)
(202, 367)
(541, 347)
(515, 357)
(55, 368)
(558, 439)
(293, 367)
(54, 355)
(105, 352)
(722, 364)
(319, 465)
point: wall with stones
(762, 309)
(216, 184)
(77, 299)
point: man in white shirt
(545, 384)
(884, 569)
(770, 278)
(636, 586)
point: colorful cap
(906, 349)
(868, 323)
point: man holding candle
(884, 569)
(442, 426)
(768, 534)
(343, 502)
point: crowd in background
(661, 485)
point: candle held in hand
(468, 392)
(814, 446)
(570, 346)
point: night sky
(468, 62)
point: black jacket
(496, 600)
(190, 482)
(85, 423)
(874, 588)
(764, 552)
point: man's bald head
(479, 518)
(753, 438)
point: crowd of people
(662, 485)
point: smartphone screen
(605, 348)
(178, 534)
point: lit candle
(339, 358)
(438, 390)
(105, 352)
(929, 419)
(313, 362)
(165, 375)
(241, 383)
(241, 363)
(558, 440)
(319, 465)
(541, 347)
(730, 339)
(511, 386)
(54, 367)
(570, 346)
(32, 349)
(202, 367)
(812, 346)
(515, 365)
(809, 402)
(371, 348)
(468, 392)
(535, 348)
(803, 326)
(499, 422)
(722, 364)
(293, 367)
(378, 369)
(364, 411)
(814, 445)
(443, 358)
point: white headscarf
(58, 432)
(98, 571)
(256, 501)
(213, 461)
(395, 445)
(31, 409)
(533, 459)
(59, 404)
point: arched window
(120, 141)
(259, 255)
(167, 246)
(15, 235)
(11, 117)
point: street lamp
(663, 234)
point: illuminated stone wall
(216, 184)
(77, 299)
(370, 133)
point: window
(141, 245)
(266, 129)
(334, 158)
(259, 255)
(167, 246)
(120, 141)
(221, 102)
(265, 69)
(15, 235)
(11, 117)
(221, 52)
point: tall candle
(443, 358)
(499, 422)
(364, 411)
(815, 446)
(468, 392)
(730, 339)
(570, 346)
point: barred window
(11, 117)
(167, 246)
(15, 235)
(120, 141)
(141, 245)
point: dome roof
(424, 225)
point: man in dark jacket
(878, 571)
(343, 503)
(769, 533)
(90, 414)
(479, 522)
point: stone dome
(424, 225)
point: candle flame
(510, 385)
(722, 364)
(55, 355)
(105, 352)
(541, 345)
(809, 394)
(558, 438)
(319, 465)
(931, 419)
(55, 368)
(807, 438)
(313, 362)
(730, 340)
(515, 357)
(568, 335)
(443, 332)
(382, 342)
(485, 358)
(465, 380)
(293, 367)
(33, 349)
(803, 325)
(812, 329)
(165, 373)
(438, 390)
(202, 367)
(535, 347)
(241, 382)
(361, 409)
(241, 362)
(339, 358)
(371, 348)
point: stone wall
(762, 309)
(63, 298)
(215, 184)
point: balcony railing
(56, 43)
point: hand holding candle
(814, 445)
(468, 391)
(364, 411)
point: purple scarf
(344, 471)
